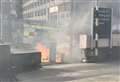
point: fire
(44, 52)
(58, 58)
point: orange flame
(44, 52)
(58, 58)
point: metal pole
(96, 35)
(97, 2)
(71, 31)
(1, 28)
(110, 41)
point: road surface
(91, 72)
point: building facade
(5, 8)
(10, 25)
(47, 12)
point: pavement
(80, 72)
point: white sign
(53, 9)
(103, 43)
(83, 41)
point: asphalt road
(91, 72)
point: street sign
(102, 22)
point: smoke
(67, 37)
(81, 23)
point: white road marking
(74, 74)
(69, 65)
